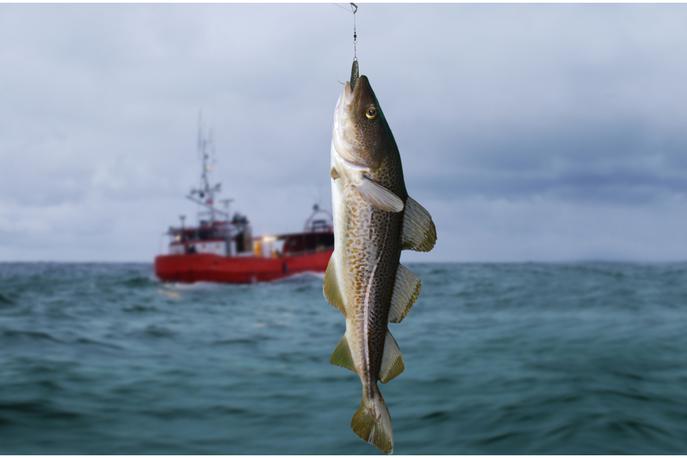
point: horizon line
(559, 261)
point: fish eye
(371, 113)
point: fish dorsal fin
(392, 361)
(406, 290)
(330, 287)
(378, 196)
(342, 355)
(419, 233)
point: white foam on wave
(300, 276)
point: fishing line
(354, 9)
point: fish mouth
(347, 96)
(345, 136)
(357, 91)
(343, 112)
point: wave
(499, 358)
(237, 341)
(158, 331)
(39, 408)
(33, 335)
(138, 281)
(140, 308)
(308, 276)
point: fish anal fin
(419, 232)
(406, 291)
(342, 355)
(378, 196)
(330, 287)
(392, 361)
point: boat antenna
(204, 154)
(199, 140)
(205, 195)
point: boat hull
(190, 268)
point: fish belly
(367, 251)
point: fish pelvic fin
(406, 291)
(372, 422)
(378, 196)
(392, 360)
(419, 232)
(342, 355)
(330, 287)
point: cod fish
(374, 219)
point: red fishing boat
(221, 247)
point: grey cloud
(521, 127)
(625, 162)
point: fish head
(361, 134)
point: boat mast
(205, 195)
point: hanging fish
(374, 219)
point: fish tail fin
(372, 422)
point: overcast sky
(535, 132)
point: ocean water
(500, 358)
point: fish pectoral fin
(406, 290)
(342, 355)
(378, 196)
(330, 287)
(392, 361)
(334, 173)
(419, 232)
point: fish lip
(348, 92)
(352, 93)
(362, 89)
(345, 99)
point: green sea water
(500, 358)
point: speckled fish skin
(368, 199)
(372, 246)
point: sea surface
(500, 358)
